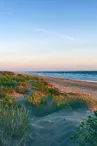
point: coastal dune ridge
(51, 124)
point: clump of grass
(8, 101)
(42, 92)
(53, 92)
(10, 83)
(44, 87)
(21, 90)
(14, 125)
(39, 84)
(35, 100)
(2, 94)
(75, 101)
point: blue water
(75, 75)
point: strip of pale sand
(75, 86)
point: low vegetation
(86, 134)
(10, 83)
(48, 99)
(44, 95)
(14, 125)
(44, 98)
(14, 118)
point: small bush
(86, 134)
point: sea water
(74, 75)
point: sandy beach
(51, 126)
(75, 86)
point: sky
(38, 35)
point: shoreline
(91, 81)
(69, 85)
(75, 86)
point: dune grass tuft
(14, 125)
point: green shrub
(86, 134)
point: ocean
(74, 75)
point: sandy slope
(66, 85)
(57, 128)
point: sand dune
(57, 128)
(50, 127)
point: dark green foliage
(5, 90)
(2, 94)
(21, 90)
(52, 91)
(95, 112)
(86, 134)
(77, 103)
(13, 83)
(8, 101)
(7, 81)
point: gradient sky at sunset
(48, 34)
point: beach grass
(10, 83)
(14, 125)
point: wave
(75, 75)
